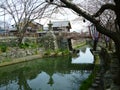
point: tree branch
(58, 5)
(103, 8)
(100, 28)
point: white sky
(76, 21)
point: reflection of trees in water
(33, 68)
(29, 70)
(20, 75)
(83, 50)
(75, 55)
(6, 78)
(77, 80)
(22, 82)
(51, 81)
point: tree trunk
(70, 45)
(116, 79)
(110, 45)
(20, 39)
(112, 34)
(21, 35)
(95, 45)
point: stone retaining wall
(111, 68)
(18, 53)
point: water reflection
(44, 74)
(84, 56)
(22, 82)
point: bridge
(75, 35)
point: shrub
(3, 47)
(47, 53)
(22, 46)
(87, 83)
(65, 52)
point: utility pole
(4, 24)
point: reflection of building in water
(77, 41)
(29, 76)
(84, 57)
(83, 50)
(51, 81)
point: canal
(54, 73)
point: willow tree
(113, 33)
(22, 12)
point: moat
(54, 73)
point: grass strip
(19, 60)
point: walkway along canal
(53, 73)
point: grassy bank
(48, 53)
(80, 44)
(19, 60)
(87, 83)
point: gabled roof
(36, 23)
(61, 24)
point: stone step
(98, 75)
(94, 85)
(97, 81)
(97, 78)
(91, 88)
(114, 66)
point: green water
(55, 73)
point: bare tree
(29, 10)
(107, 18)
(114, 33)
(23, 12)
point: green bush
(23, 46)
(65, 52)
(87, 83)
(57, 51)
(47, 53)
(33, 45)
(3, 47)
(28, 45)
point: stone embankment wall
(111, 68)
(18, 53)
(108, 72)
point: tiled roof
(61, 24)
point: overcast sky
(76, 21)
